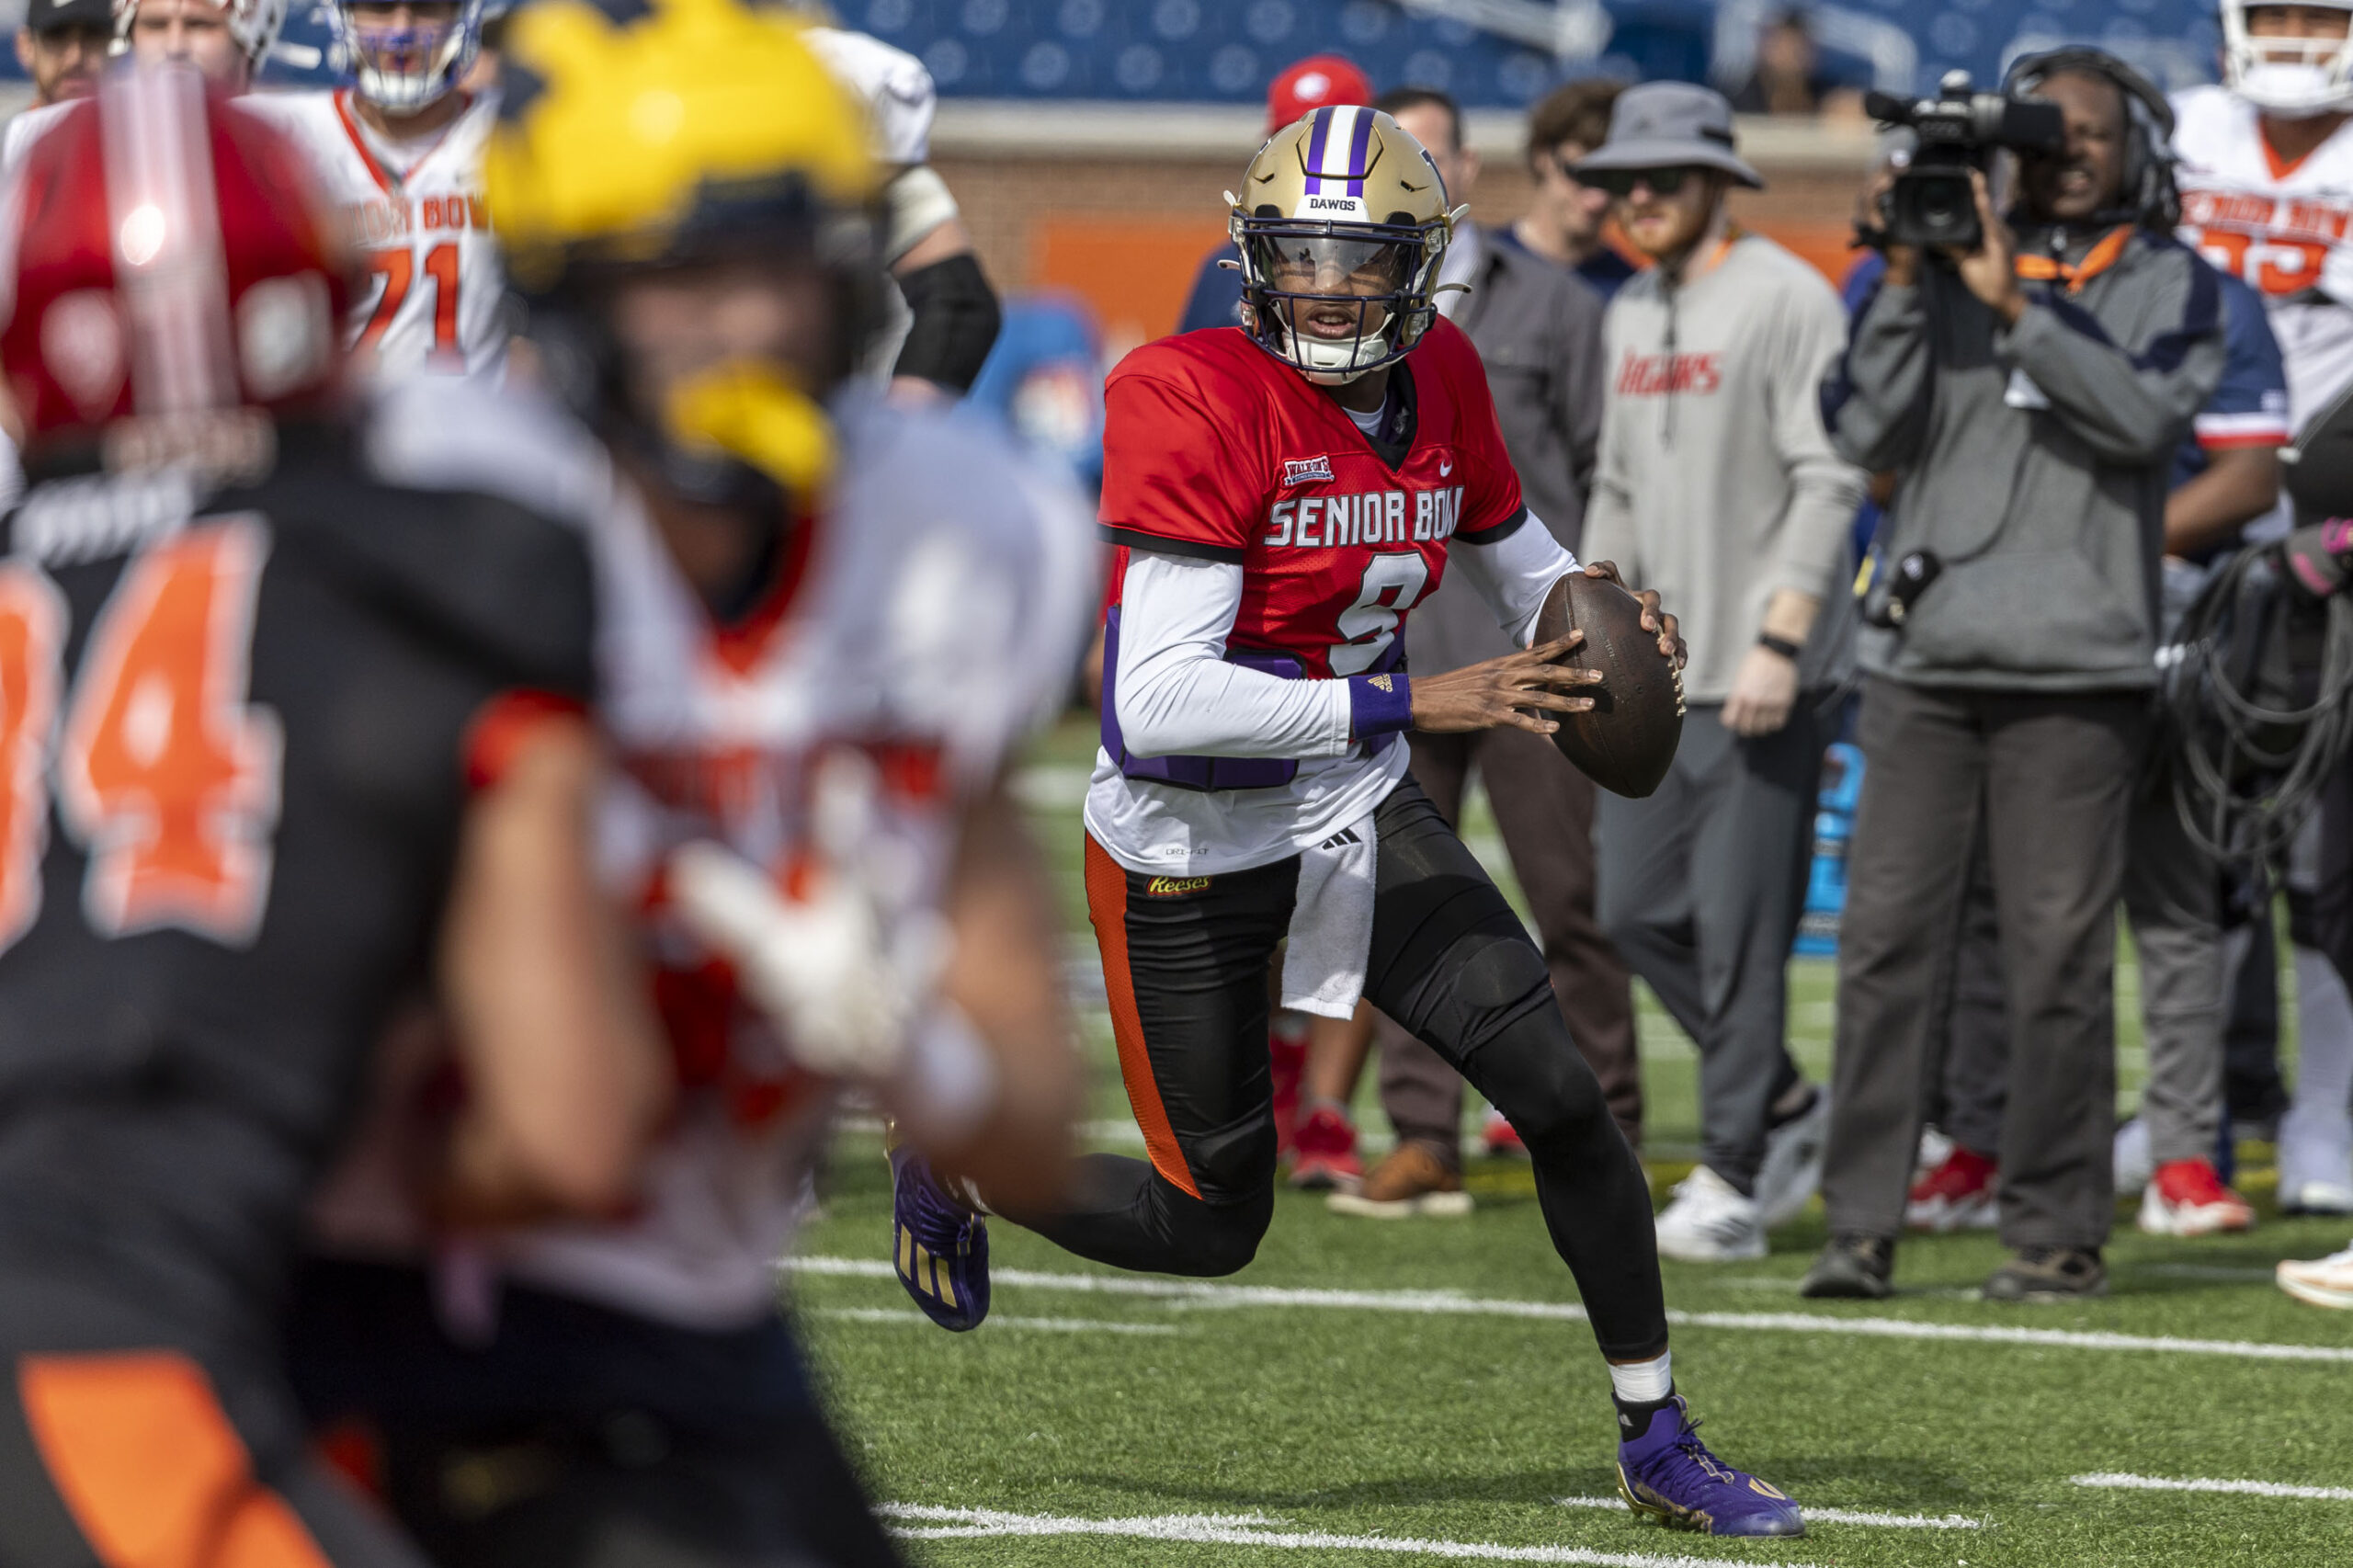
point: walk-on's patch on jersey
(433, 281)
(2286, 229)
(237, 730)
(1214, 449)
(925, 621)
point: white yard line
(1451, 1303)
(2191, 1483)
(1824, 1515)
(1251, 1529)
(996, 1319)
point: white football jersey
(434, 280)
(893, 84)
(924, 623)
(2286, 229)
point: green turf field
(1373, 1391)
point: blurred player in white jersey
(952, 317)
(828, 619)
(399, 153)
(2266, 174)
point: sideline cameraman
(2030, 392)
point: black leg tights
(1185, 969)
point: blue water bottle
(1834, 824)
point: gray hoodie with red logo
(1717, 484)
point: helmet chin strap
(1331, 362)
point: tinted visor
(1328, 264)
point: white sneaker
(1934, 1151)
(1792, 1171)
(2315, 1162)
(2324, 1282)
(1710, 1222)
(2134, 1162)
(2315, 1198)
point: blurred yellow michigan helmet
(625, 125)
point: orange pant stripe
(141, 1450)
(1107, 906)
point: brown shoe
(1412, 1181)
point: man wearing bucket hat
(1717, 477)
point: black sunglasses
(1621, 183)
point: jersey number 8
(163, 771)
(1392, 585)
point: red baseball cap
(1315, 81)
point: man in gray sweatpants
(2030, 393)
(1717, 482)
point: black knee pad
(1562, 1108)
(1518, 1052)
(1207, 1240)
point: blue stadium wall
(1224, 50)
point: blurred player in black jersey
(280, 744)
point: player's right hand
(1496, 692)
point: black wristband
(1780, 645)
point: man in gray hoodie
(1717, 480)
(2029, 394)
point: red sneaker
(1501, 1137)
(1287, 1058)
(1327, 1154)
(1957, 1196)
(2187, 1197)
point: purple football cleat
(938, 1246)
(1668, 1474)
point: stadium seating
(1492, 53)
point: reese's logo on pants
(1174, 887)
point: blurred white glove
(821, 969)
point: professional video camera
(1931, 203)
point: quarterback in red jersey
(1282, 494)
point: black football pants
(1185, 963)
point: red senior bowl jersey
(1212, 448)
(1216, 451)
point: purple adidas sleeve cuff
(1380, 705)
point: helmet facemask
(2293, 78)
(1337, 300)
(406, 69)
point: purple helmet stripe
(1357, 142)
(1320, 131)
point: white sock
(1643, 1383)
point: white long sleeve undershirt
(1176, 696)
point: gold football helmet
(1342, 223)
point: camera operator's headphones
(2148, 132)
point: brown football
(1627, 741)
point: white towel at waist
(1331, 924)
